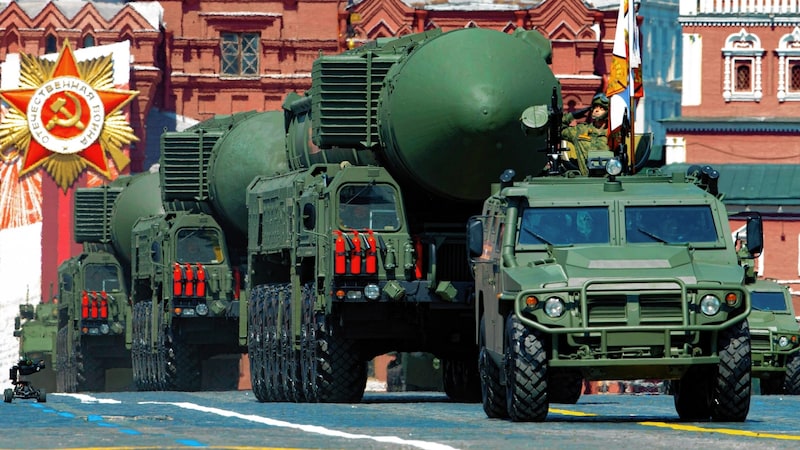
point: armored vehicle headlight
(554, 307)
(613, 167)
(783, 341)
(710, 305)
(372, 291)
(104, 328)
(202, 309)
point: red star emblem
(66, 115)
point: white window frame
(742, 46)
(788, 54)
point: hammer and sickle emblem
(63, 117)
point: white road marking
(89, 399)
(307, 428)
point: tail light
(237, 280)
(355, 254)
(418, 263)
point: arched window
(789, 66)
(50, 44)
(88, 41)
(743, 54)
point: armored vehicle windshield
(368, 206)
(670, 224)
(199, 245)
(101, 278)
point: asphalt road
(234, 419)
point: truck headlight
(372, 291)
(554, 307)
(709, 304)
(613, 167)
(104, 329)
(783, 341)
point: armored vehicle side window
(670, 224)
(768, 301)
(101, 277)
(565, 226)
(66, 282)
(368, 206)
(196, 245)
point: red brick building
(740, 105)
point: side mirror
(755, 234)
(475, 238)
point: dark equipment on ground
(23, 388)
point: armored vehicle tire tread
(791, 384)
(41, 396)
(8, 395)
(492, 392)
(186, 360)
(564, 385)
(344, 375)
(691, 395)
(732, 387)
(461, 380)
(255, 342)
(91, 372)
(526, 373)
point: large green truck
(94, 309)
(775, 337)
(359, 249)
(36, 327)
(190, 262)
(612, 278)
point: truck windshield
(768, 301)
(101, 277)
(368, 206)
(670, 224)
(198, 245)
(564, 225)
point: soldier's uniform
(586, 136)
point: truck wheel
(309, 359)
(65, 375)
(344, 375)
(273, 348)
(732, 387)
(8, 395)
(41, 396)
(185, 359)
(290, 374)
(791, 384)
(691, 395)
(526, 373)
(461, 380)
(255, 342)
(493, 394)
(564, 385)
(90, 370)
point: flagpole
(631, 84)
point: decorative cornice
(788, 125)
(731, 20)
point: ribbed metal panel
(93, 207)
(345, 95)
(184, 164)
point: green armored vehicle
(94, 310)
(36, 327)
(775, 338)
(359, 249)
(611, 278)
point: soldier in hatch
(589, 135)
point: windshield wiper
(536, 235)
(651, 235)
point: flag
(625, 79)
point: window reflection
(101, 277)
(197, 245)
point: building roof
(768, 188)
(153, 12)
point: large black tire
(791, 382)
(255, 342)
(8, 395)
(272, 339)
(66, 379)
(91, 371)
(310, 364)
(732, 387)
(289, 364)
(183, 362)
(526, 373)
(461, 380)
(564, 385)
(691, 395)
(493, 394)
(342, 373)
(139, 349)
(41, 396)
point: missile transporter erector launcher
(622, 277)
(94, 309)
(359, 248)
(189, 263)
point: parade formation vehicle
(614, 277)
(36, 327)
(775, 336)
(94, 309)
